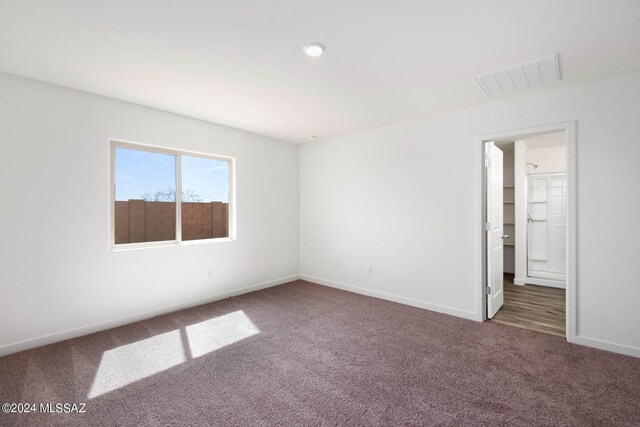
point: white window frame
(117, 143)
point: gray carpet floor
(304, 354)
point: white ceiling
(240, 63)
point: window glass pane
(145, 196)
(205, 198)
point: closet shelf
(508, 201)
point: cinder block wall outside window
(142, 221)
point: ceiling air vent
(519, 76)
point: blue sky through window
(208, 178)
(144, 174)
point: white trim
(572, 269)
(520, 182)
(178, 199)
(232, 226)
(570, 129)
(470, 315)
(166, 150)
(608, 346)
(101, 326)
(544, 282)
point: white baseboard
(589, 342)
(96, 327)
(608, 346)
(545, 282)
(101, 326)
(471, 315)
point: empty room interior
(319, 213)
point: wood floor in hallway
(539, 308)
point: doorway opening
(528, 229)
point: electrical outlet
(370, 269)
(210, 273)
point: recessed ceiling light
(314, 49)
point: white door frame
(569, 128)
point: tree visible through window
(145, 206)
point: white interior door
(547, 226)
(495, 235)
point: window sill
(168, 243)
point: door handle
(529, 219)
(505, 236)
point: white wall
(548, 159)
(402, 198)
(57, 275)
(548, 151)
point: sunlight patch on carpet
(132, 362)
(212, 334)
(126, 364)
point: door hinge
(487, 226)
(487, 161)
(488, 290)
